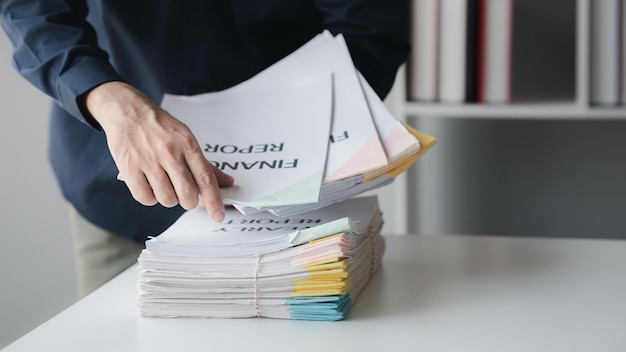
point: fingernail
(218, 216)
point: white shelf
(526, 110)
(576, 108)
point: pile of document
(304, 133)
(300, 241)
(311, 266)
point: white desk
(442, 293)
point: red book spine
(481, 46)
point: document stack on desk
(309, 267)
(296, 244)
(271, 132)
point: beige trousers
(99, 255)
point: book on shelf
(424, 59)
(494, 41)
(471, 51)
(310, 267)
(605, 52)
(623, 57)
(461, 51)
(452, 51)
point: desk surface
(439, 293)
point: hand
(158, 157)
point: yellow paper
(395, 169)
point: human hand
(157, 155)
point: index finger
(204, 176)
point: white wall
(36, 267)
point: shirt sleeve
(377, 35)
(56, 49)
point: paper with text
(196, 233)
(274, 142)
(355, 147)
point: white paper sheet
(196, 233)
(272, 141)
(355, 147)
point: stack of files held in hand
(309, 267)
(271, 132)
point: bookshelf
(575, 107)
(566, 100)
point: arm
(159, 157)
(56, 50)
(376, 32)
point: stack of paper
(309, 267)
(271, 132)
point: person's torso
(195, 46)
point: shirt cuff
(85, 74)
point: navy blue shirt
(67, 47)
